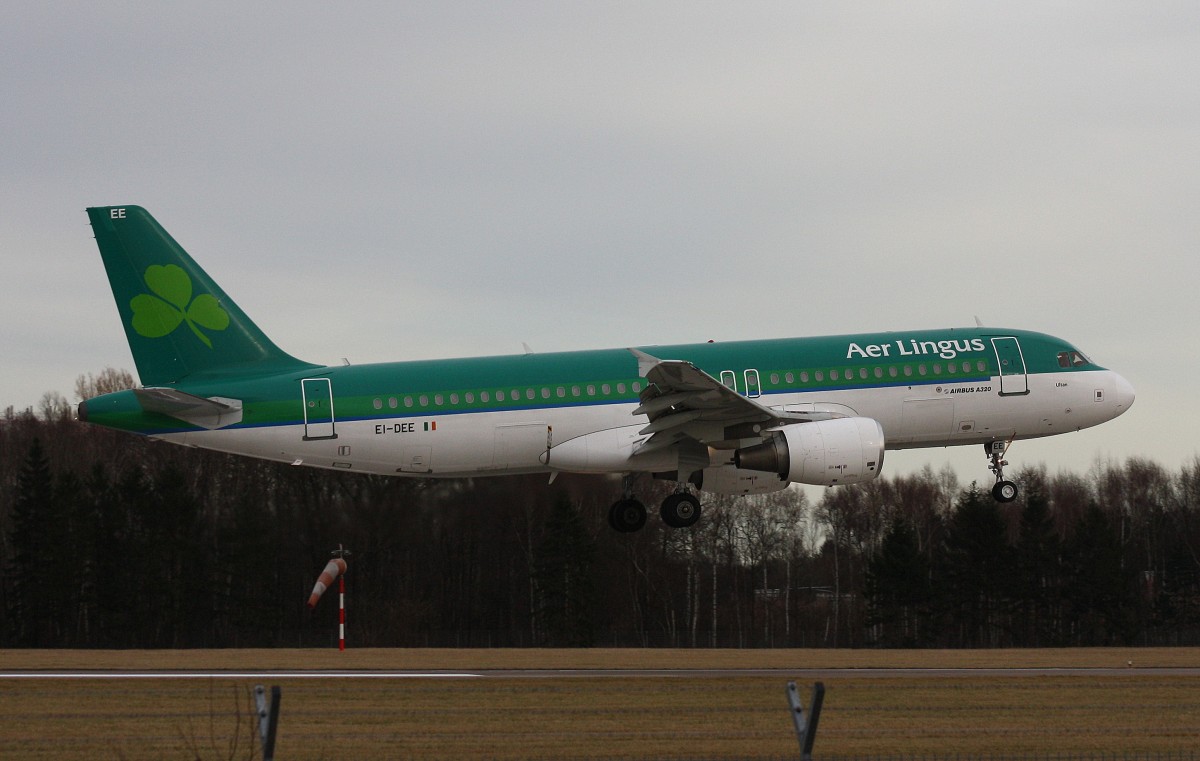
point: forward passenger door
(1011, 361)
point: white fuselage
(513, 442)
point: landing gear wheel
(680, 510)
(627, 515)
(1004, 491)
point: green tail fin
(178, 321)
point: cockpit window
(1072, 358)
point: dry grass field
(592, 717)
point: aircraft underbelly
(446, 446)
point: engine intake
(821, 453)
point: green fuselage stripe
(474, 385)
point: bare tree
(106, 381)
(53, 407)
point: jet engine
(822, 453)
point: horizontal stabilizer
(211, 413)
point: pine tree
(1037, 587)
(38, 535)
(978, 571)
(897, 587)
(563, 566)
(1101, 599)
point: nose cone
(1123, 393)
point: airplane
(745, 417)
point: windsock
(332, 569)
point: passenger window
(470, 397)
(981, 365)
(893, 372)
(951, 368)
(605, 389)
(833, 375)
(591, 390)
(561, 392)
(879, 372)
(804, 376)
(820, 376)
(574, 390)
(637, 387)
(378, 404)
(454, 398)
(499, 396)
(862, 372)
(921, 370)
(620, 388)
(484, 396)
(423, 400)
(408, 401)
(789, 378)
(545, 393)
(529, 393)
(392, 402)
(437, 399)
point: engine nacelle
(822, 453)
(726, 479)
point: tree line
(113, 540)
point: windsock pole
(342, 613)
(334, 569)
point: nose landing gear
(1003, 491)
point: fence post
(268, 719)
(806, 726)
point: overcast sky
(423, 180)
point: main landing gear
(628, 514)
(1003, 491)
(680, 510)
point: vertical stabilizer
(178, 321)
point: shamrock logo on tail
(158, 315)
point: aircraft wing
(211, 413)
(686, 405)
